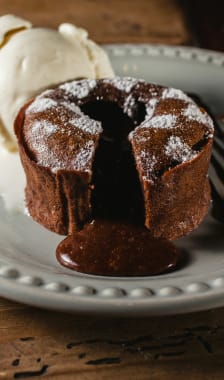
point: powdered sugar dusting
(79, 89)
(72, 107)
(129, 105)
(161, 121)
(179, 150)
(49, 157)
(86, 124)
(41, 130)
(150, 107)
(81, 161)
(124, 84)
(41, 104)
(43, 127)
(174, 93)
(84, 156)
(192, 112)
(147, 161)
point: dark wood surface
(60, 346)
(39, 343)
(206, 22)
(121, 21)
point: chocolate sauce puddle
(111, 248)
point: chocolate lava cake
(116, 148)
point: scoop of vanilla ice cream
(10, 24)
(32, 59)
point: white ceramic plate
(29, 272)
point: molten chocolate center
(116, 243)
(117, 191)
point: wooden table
(39, 343)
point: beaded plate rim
(21, 286)
(169, 51)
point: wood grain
(35, 342)
(118, 21)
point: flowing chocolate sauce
(116, 243)
(108, 248)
